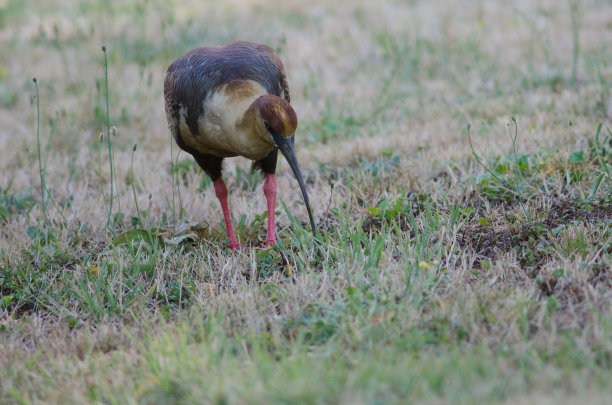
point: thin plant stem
(518, 195)
(133, 187)
(43, 183)
(108, 135)
(114, 132)
(516, 163)
(483, 165)
(513, 138)
(172, 169)
(178, 186)
(40, 167)
(57, 207)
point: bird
(233, 100)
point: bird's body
(222, 131)
(233, 100)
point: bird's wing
(193, 76)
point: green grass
(449, 268)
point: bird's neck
(252, 122)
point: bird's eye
(268, 127)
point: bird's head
(278, 117)
(280, 121)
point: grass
(450, 268)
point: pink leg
(221, 192)
(270, 192)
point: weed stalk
(478, 158)
(503, 183)
(133, 187)
(40, 167)
(172, 173)
(109, 141)
(178, 187)
(43, 182)
(516, 163)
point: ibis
(233, 100)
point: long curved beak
(287, 148)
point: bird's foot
(234, 245)
(269, 243)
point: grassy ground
(450, 268)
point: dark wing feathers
(191, 78)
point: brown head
(277, 114)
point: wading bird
(226, 101)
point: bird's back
(198, 74)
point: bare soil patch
(527, 238)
